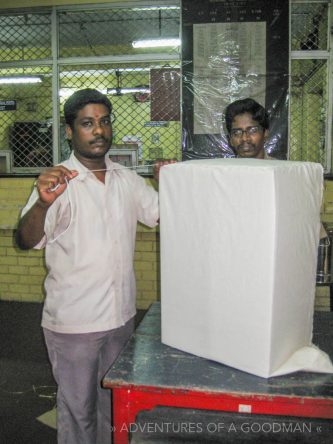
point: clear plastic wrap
(230, 52)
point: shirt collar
(75, 164)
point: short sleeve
(147, 202)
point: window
(311, 82)
(64, 49)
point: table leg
(127, 403)
(126, 406)
(121, 415)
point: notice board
(233, 50)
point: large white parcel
(239, 242)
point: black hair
(80, 99)
(242, 106)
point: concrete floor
(28, 390)
(27, 387)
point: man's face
(247, 137)
(91, 135)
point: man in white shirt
(84, 212)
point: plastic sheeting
(230, 52)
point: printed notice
(7, 105)
(229, 62)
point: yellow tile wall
(327, 207)
(322, 301)
(22, 272)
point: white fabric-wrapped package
(239, 242)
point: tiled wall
(323, 293)
(22, 272)
(327, 208)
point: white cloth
(238, 262)
(90, 239)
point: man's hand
(53, 182)
(50, 185)
(158, 165)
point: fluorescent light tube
(20, 79)
(67, 92)
(128, 90)
(155, 43)
(156, 8)
(95, 72)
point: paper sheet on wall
(229, 61)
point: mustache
(98, 139)
(242, 145)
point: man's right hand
(52, 183)
(159, 163)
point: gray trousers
(79, 362)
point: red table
(149, 374)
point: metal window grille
(310, 83)
(26, 127)
(25, 36)
(90, 46)
(81, 46)
(131, 89)
(309, 97)
(112, 31)
(309, 21)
